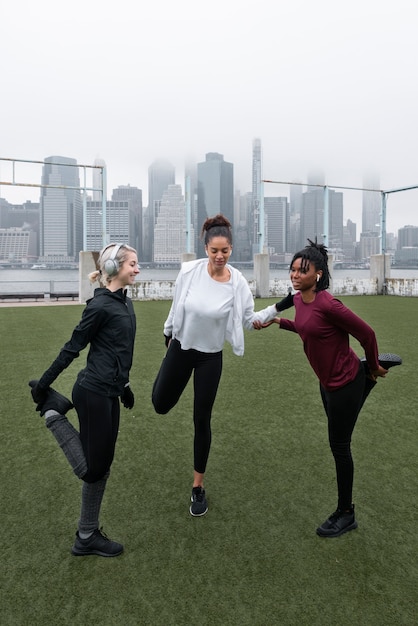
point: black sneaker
(199, 505)
(54, 400)
(337, 524)
(389, 360)
(386, 360)
(98, 544)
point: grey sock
(68, 439)
(91, 501)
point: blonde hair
(100, 275)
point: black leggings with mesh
(175, 372)
(99, 425)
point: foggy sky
(324, 85)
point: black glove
(127, 398)
(167, 340)
(39, 394)
(286, 303)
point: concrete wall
(379, 282)
(164, 289)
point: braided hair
(218, 226)
(317, 254)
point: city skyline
(323, 89)
(370, 179)
(286, 225)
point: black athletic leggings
(342, 408)
(98, 417)
(174, 374)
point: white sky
(325, 85)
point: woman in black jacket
(108, 324)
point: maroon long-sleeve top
(325, 326)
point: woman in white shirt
(212, 303)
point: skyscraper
(256, 191)
(190, 187)
(276, 211)
(215, 192)
(133, 196)
(371, 207)
(170, 228)
(60, 213)
(98, 179)
(161, 174)
(312, 217)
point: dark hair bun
(218, 220)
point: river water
(60, 281)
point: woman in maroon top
(325, 325)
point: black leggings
(174, 374)
(98, 417)
(342, 408)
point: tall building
(336, 223)
(215, 192)
(170, 238)
(371, 205)
(133, 196)
(61, 211)
(349, 241)
(256, 191)
(242, 211)
(312, 218)
(98, 179)
(121, 223)
(161, 174)
(296, 198)
(190, 187)
(276, 211)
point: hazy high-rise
(161, 174)
(276, 212)
(371, 206)
(133, 196)
(215, 178)
(61, 215)
(170, 237)
(256, 191)
(98, 178)
(312, 217)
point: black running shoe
(389, 360)
(54, 400)
(199, 505)
(97, 544)
(337, 524)
(386, 360)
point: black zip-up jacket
(108, 324)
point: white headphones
(111, 265)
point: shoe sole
(322, 533)
(389, 360)
(75, 552)
(386, 361)
(62, 403)
(198, 514)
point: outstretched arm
(259, 325)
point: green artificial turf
(254, 559)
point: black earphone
(111, 266)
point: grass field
(254, 559)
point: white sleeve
(168, 324)
(248, 314)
